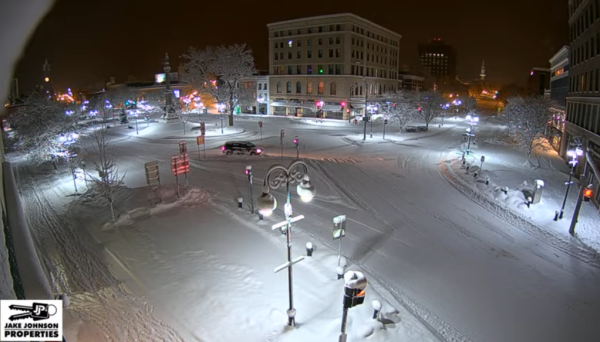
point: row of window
(308, 30)
(374, 47)
(309, 42)
(333, 53)
(262, 86)
(332, 69)
(584, 115)
(559, 90)
(372, 72)
(591, 14)
(586, 50)
(375, 36)
(585, 82)
(355, 90)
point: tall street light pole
(277, 175)
(573, 154)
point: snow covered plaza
(449, 255)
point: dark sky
(89, 41)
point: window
(298, 69)
(320, 41)
(290, 43)
(337, 39)
(309, 87)
(276, 34)
(320, 69)
(309, 30)
(290, 55)
(338, 27)
(276, 56)
(331, 27)
(320, 29)
(260, 86)
(330, 53)
(264, 86)
(289, 69)
(321, 87)
(338, 69)
(299, 43)
(281, 55)
(298, 87)
(288, 87)
(330, 40)
(320, 54)
(299, 31)
(330, 69)
(278, 87)
(338, 52)
(309, 69)
(308, 53)
(289, 32)
(298, 54)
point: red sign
(180, 165)
(260, 124)
(200, 140)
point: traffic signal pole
(582, 187)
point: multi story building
(439, 59)
(538, 81)
(330, 66)
(583, 100)
(412, 82)
(559, 87)
(259, 96)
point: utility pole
(365, 118)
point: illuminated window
(321, 87)
(320, 69)
(290, 43)
(288, 87)
(309, 87)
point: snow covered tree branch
(106, 179)
(39, 125)
(431, 105)
(402, 108)
(471, 105)
(527, 120)
(219, 72)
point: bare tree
(106, 181)
(219, 72)
(402, 109)
(43, 127)
(527, 120)
(430, 103)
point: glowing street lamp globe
(266, 203)
(306, 190)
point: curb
(578, 251)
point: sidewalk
(510, 179)
(203, 255)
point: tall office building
(439, 59)
(330, 65)
(583, 100)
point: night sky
(89, 41)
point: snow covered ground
(455, 259)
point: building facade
(583, 99)
(559, 87)
(538, 81)
(412, 82)
(259, 98)
(330, 66)
(439, 59)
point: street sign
(339, 227)
(282, 134)
(182, 147)
(260, 124)
(482, 159)
(200, 140)
(152, 173)
(180, 165)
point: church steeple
(47, 81)
(482, 74)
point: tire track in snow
(76, 266)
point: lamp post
(277, 176)
(220, 107)
(365, 117)
(574, 154)
(473, 120)
(260, 102)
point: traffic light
(342, 105)
(296, 141)
(319, 104)
(587, 194)
(353, 297)
(249, 172)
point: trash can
(537, 191)
(205, 111)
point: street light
(473, 120)
(574, 154)
(260, 102)
(220, 108)
(277, 175)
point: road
(470, 275)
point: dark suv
(240, 147)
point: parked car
(241, 147)
(412, 129)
